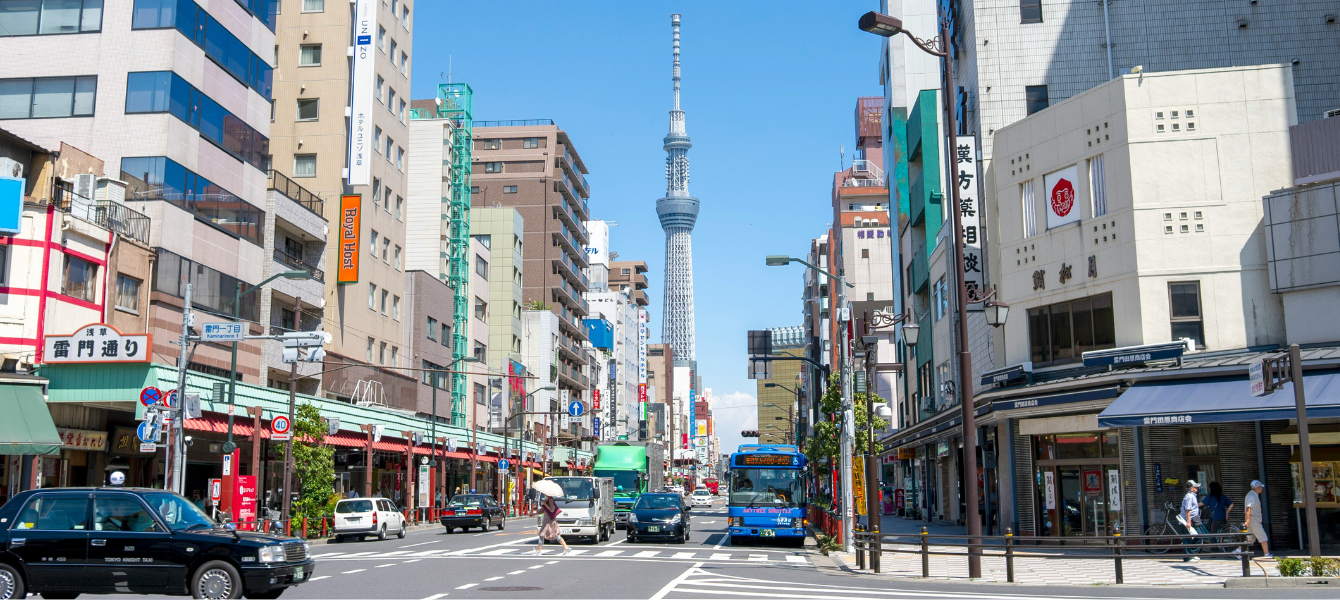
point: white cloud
(734, 412)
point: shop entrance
(1078, 484)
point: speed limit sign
(280, 428)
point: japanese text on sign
(97, 343)
(965, 159)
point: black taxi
(62, 542)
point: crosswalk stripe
(498, 552)
(760, 557)
(682, 555)
(795, 559)
(610, 553)
(578, 551)
(329, 554)
(720, 556)
(646, 554)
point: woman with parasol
(548, 510)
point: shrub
(1290, 567)
(827, 543)
(1315, 566)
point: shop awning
(26, 427)
(1220, 400)
(219, 424)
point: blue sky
(769, 90)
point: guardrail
(323, 527)
(1117, 548)
(297, 193)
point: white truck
(586, 508)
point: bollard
(323, 527)
(860, 551)
(925, 554)
(1009, 554)
(1118, 542)
(1246, 557)
(288, 527)
(304, 528)
(877, 552)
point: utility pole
(175, 477)
(848, 419)
(292, 401)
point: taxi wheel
(11, 583)
(381, 535)
(502, 523)
(216, 579)
(401, 534)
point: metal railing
(870, 546)
(112, 216)
(297, 193)
(514, 123)
(296, 262)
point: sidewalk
(1031, 566)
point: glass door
(1071, 501)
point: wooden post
(257, 446)
(367, 467)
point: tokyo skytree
(678, 212)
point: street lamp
(844, 379)
(297, 274)
(888, 26)
(507, 435)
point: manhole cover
(510, 588)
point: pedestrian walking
(548, 529)
(1253, 520)
(1218, 505)
(1191, 518)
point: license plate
(767, 533)
(460, 512)
(297, 573)
(653, 529)
(571, 531)
(354, 519)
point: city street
(431, 564)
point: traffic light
(749, 433)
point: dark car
(472, 510)
(66, 541)
(660, 515)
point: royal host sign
(350, 223)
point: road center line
(435, 597)
(494, 578)
(318, 578)
(517, 572)
(466, 586)
(421, 544)
(353, 571)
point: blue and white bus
(766, 497)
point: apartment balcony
(569, 323)
(572, 377)
(564, 186)
(298, 194)
(568, 269)
(920, 271)
(573, 223)
(572, 351)
(640, 297)
(568, 244)
(112, 216)
(570, 297)
(293, 262)
(865, 170)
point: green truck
(635, 467)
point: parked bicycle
(1172, 514)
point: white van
(586, 508)
(362, 517)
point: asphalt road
(430, 564)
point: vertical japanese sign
(361, 106)
(858, 483)
(693, 410)
(350, 227)
(642, 347)
(970, 204)
(642, 401)
(1049, 488)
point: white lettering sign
(360, 109)
(97, 343)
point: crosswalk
(703, 584)
(724, 555)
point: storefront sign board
(81, 439)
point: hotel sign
(361, 107)
(350, 228)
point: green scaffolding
(455, 102)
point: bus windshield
(624, 481)
(755, 487)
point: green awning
(26, 427)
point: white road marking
(421, 544)
(703, 523)
(318, 578)
(682, 555)
(646, 554)
(328, 555)
(618, 542)
(499, 551)
(494, 578)
(466, 586)
(609, 553)
(435, 597)
(353, 571)
(724, 539)
(413, 561)
(535, 567)
(796, 559)
(660, 595)
(720, 556)
(554, 562)
(517, 572)
(386, 565)
(574, 551)
(479, 534)
(762, 557)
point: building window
(386, 296)
(81, 278)
(1060, 333)
(389, 144)
(376, 147)
(481, 351)
(481, 394)
(1097, 186)
(390, 100)
(371, 343)
(474, 189)
(46, 97)
(865, 253)
(446, 335)
(399, 208)
(1030, 11)
(395, 308)
(492, 144)
(1028, 206)
(378, 90)
(1184, 310)
(625, 271)
(128, 293)
(381, 353)
(509, 189)
(1036, 96)
(386, 249)
(529, 143)
(309, 109)
(481, 267)
(373, 247)
(397, 258)
(404, 17)
(309, 55)
(386, 199)
(395, 49)
(401, 113)
(481, 310)
(432, 329)
(400, 158)
(304, 165)
(404, 64)
(493, 167)
(381, 39)
(372, 296)
(313, 5)
(395, 356)
(45, 17)
(1200, 453)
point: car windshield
(766, 487)
(624, 481)
(353, 506)
(702, 493)
(574, 488)
(657, 501)
(178, 512)
(464, 500)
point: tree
(823, 447)
(313, 465)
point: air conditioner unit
(1333, 113)
(84, 184)
(11, 168)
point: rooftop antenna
(448, 73)
(842, 156)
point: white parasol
(548, 487)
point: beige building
(501, 230)
(309, 143)
(1156, 231)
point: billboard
(350, 228)
(970, 208)
(642, 345)
(598, 251)
(361, 106)
(1062, 199)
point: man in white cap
(1191, 518)
(1253, 524)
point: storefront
(1077, 484)
(28, 439)
(1324, 441)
